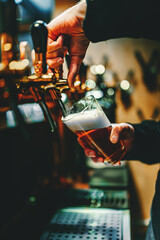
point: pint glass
(88, 121)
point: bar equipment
(89, 223)
(18, 85)
(40, 83)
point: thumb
(75, 63)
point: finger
(56, 62)
(55, 45)
(74, 69)
(117, 163)
(97, 159)
(57, 53)
(90, 153)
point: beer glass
(89, 122)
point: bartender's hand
(65, 33)
(122, 131)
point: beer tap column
(39, 35)
(40, 83)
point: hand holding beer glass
(88, 121)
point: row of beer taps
(15, 71)
(15, 68)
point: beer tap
(40, 83)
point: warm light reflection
(77, 83)
(100, 69)
(64, 97)
(25, 51)
(96, 93)
(93, 69)
(19, 65)
(2, 83)
(110, 91)
(37, 25)
(83, 86)
(2, 66)
(32, 77)
(97, 69)
(46, 76)
(90, 83)
(124, 84)
(12, 65)
(7, 47)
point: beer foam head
(86, 120)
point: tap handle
(39, 33)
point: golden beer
(88, 121)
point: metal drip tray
(89, 224)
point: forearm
(81, 11)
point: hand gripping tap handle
(39, 33)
